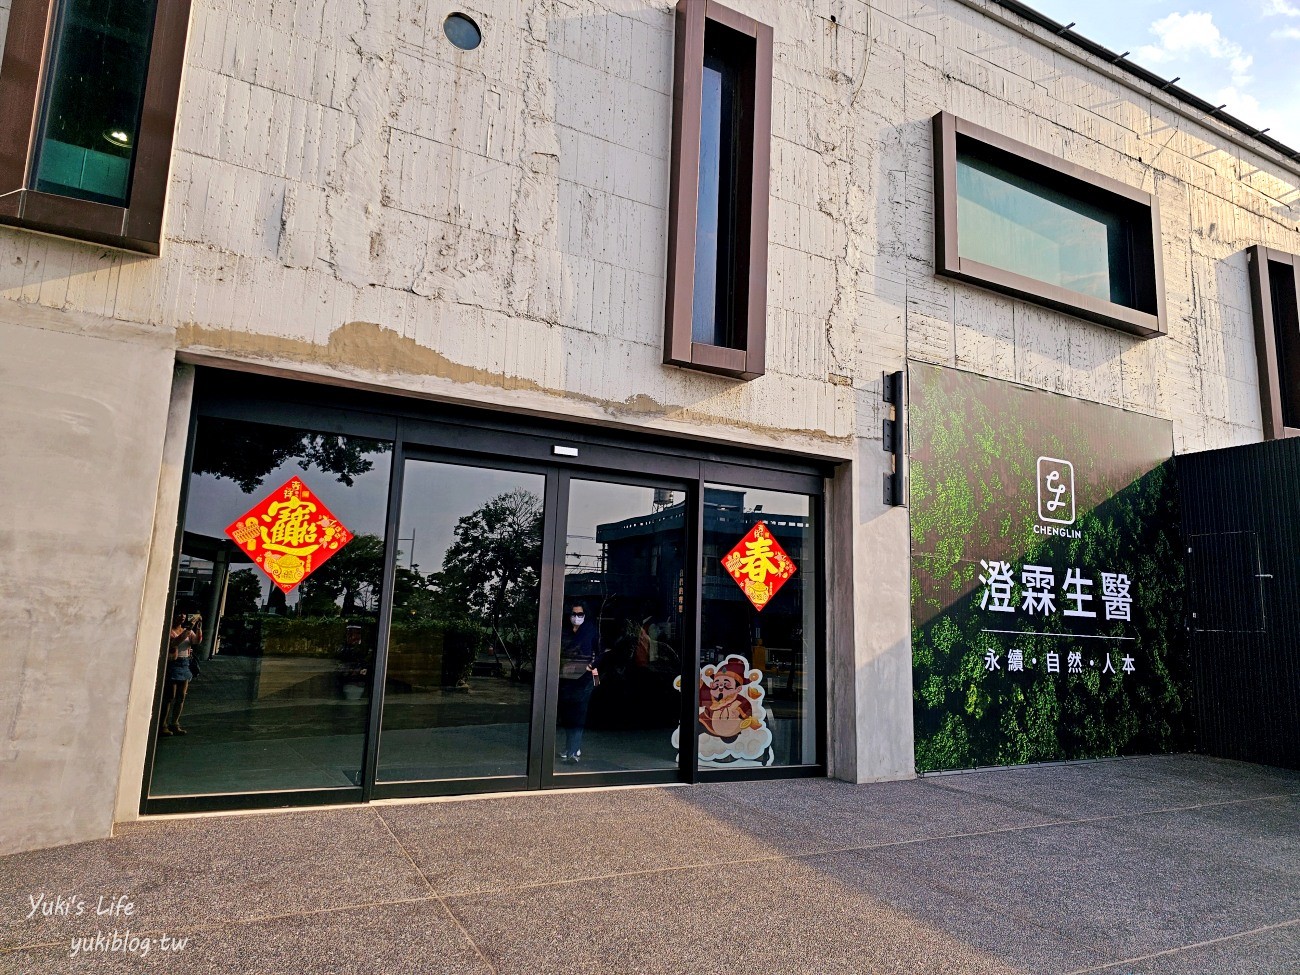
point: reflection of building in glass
(635, 551)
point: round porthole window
(462, 32)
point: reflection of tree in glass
(348, 582)
(490, 572)
(247, 452)
(243, 593)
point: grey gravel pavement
(1174, 864)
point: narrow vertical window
(715, 225)
(1276, 301)
(717, 252)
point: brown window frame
(23, 76)
(1268, 356)
(1055, 173)
(754, 169)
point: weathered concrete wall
(81, 423)
(4, 21)
(1215, 200)
(353, 197)
(372, 202)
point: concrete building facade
(354, 202)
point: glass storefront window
(621, 630)
(758, 629)
(270, 648)
(459, 688)
(379, 612)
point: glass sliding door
(371, 606)
(758, 629)
(458, 692)
(269, 648)
(621, 634)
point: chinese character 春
(1015, 660)
(1038, 581)
(991, 660)
(1108, 667)
(1053, 662)
(997, 587)
(1075, 581)
(1128, 667)
(1115, 594)
(758, 559)
(1075, 662)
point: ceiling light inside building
(118, 137)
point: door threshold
(518, 793)
(398, 801)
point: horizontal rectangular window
(1276, 306)
(716, 309)
(1014, 219)
(91, 86)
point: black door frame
(506, 441)
(372, 787)
(550, 779)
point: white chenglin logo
(1055, 491)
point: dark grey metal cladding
(1241, 520)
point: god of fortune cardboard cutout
(732, 718)
(290, 534)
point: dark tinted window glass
(712, 313)
(1008, 221)
(92, 107)
(462, 32)
(461, 651)
(271, 641)
(1286, 328)
(621, 631)
(758, 629)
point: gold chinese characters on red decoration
(759, 565)
(290, 534)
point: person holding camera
(579, 652)
(185, 635)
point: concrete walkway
(1174, 864)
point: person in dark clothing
(579, 651)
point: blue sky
(1245, 53)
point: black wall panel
(1241, 524)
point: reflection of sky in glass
(1012, 223)
(436, 496)
(704, 308)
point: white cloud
(1241, 104)
(1195, 33)
(1282, 8)
(1286, 34)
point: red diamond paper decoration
(290, 534)
(759, 565)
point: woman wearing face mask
(579, 649)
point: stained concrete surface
(1177, 864)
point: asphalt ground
(1173, 864)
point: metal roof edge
(1118, 60)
